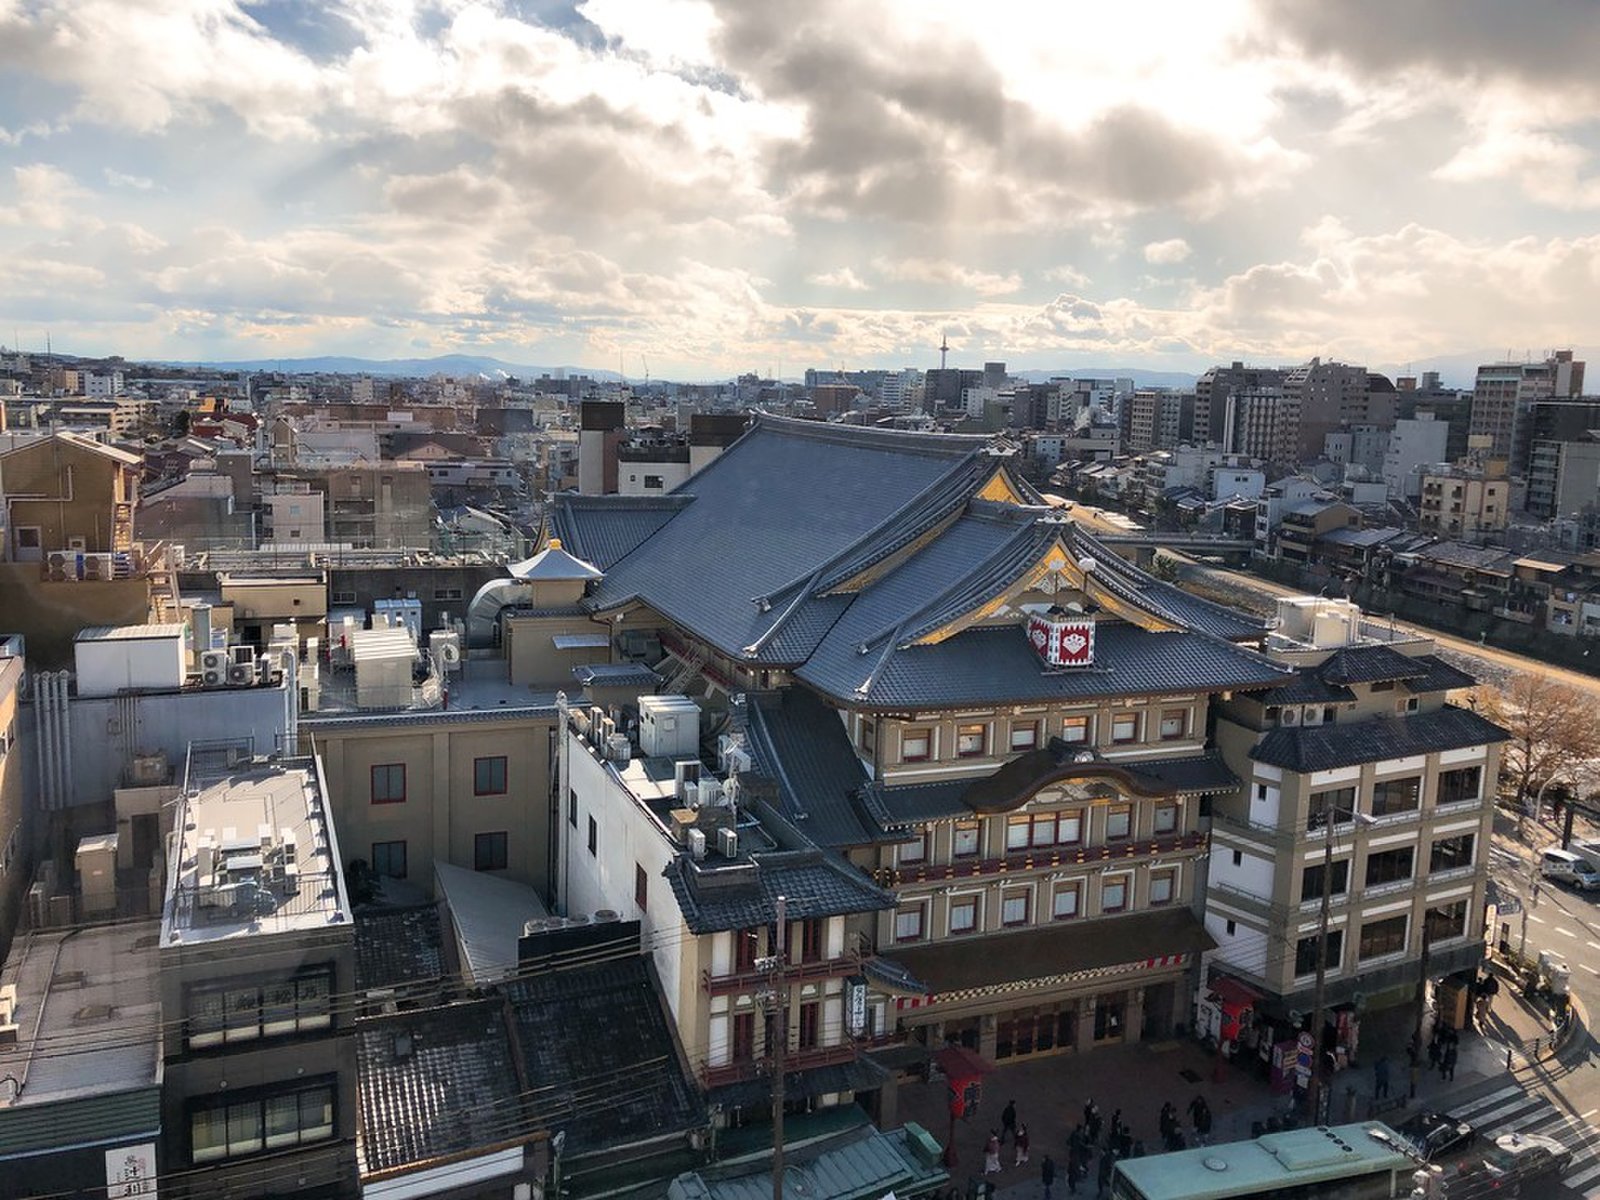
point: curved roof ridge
(938, 444)
(1143, 584)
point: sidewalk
(1050, 1093)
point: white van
(1566, 867)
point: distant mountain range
(457, 365)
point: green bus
(1365, 1161)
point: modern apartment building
(1214, 390)
(1465, 502)
(1503, 394)
(1361, 754)
(257, 964)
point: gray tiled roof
(1368, 664)
(801, 742)
(1348, 744)
(397, 947)
(599, 1055)
(1441, 676)
(605, 529)
(858, 1075)
(1307, 687)
(813, 883)
(623, 674)
(434, 1082)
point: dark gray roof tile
(812, 882)
(801, 742)
(1369, 664)
(1348, 744)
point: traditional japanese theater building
(961, 694)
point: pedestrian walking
(1008, 1120)
(1091, 1122)
(1435, 1050)
(1202, 1124)
(1047, 1175)
(1108, 1163)
(1380, 1078)
(1195, 1106)
(1020, 1139)
(1169, 1120)
(991, 1153)
(1416, 1073)
(1447, 1064)
(1076, 1173)
(1077, 1144)
(1114, 1134)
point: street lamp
(1319, 1014)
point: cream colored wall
(440, 817)
(293, 600)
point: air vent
(91, 1013)
(68, 979)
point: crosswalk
(1512, 1110)
(1505, 856)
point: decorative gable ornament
(1062, 639)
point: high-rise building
(1504, 392)
(1264, 423)
(1213, 389)
(1327, 395)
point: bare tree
(1553, 728)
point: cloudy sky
(713, 186)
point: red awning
(1233, 993)
(957, 1062)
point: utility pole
(780, 1039)
(1422, 985)
(1318, 1016)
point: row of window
(245, 1011)
(1017, 904)
(1039, 831)
(247, 1125)
(804, 941)
(389, 779)
(1389, 796)
(808, 1032)
(920, 743)
(1389, 866)
(490, 852)
(1387, 935)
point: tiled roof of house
(434, 1082)
(814, 883)
(1307, 687)
(801, 743)
(599, 1055)
(1368, 664)
(604, 529)
(1350, 743)
(396, 947)
(1440, 676)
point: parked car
(1563, 866)
(1436, 1134)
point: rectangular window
(1065, 901)
(1019, 832)
(1024, 735)
(963, 914)
(389, 859)
(489, 852)
(1459, 785)
(916, 745)
(267, 1121)
(972, 741)
(489, 776)
(389, 783)
(641, 887)
(653, 482)
(246, 1012)
(1114, 893)
(594, 838)
(1124, 727)
(1311, 881)
(869, 736)
(1166, 818)
(965, 840)
(1382, 937)
(912, 852)
(745, 944)
(1119, 822)
(1069, 827)
(1450, 853)
(810, 1025)
(1389, 866)
(1162, 886)
(811, 940)
(1173, 721)
(1305, 952)
(1014, 908)
(1447, 921)
(572, 807)
(744, 1036)
(1075, 729)
(908, 924)
(1339, 801)
(1396, 796)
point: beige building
(1360, 754)
(1465, 502)
(16, 858)
(66, 492)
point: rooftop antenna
(944, 348)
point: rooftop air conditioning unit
(684, 773)
(97, 566)
(61, 565)
(1289, 716)
(728, 842)
(242, 654)
(697, 844)
(241, 674)
(618, 748)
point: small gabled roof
(1440, 677)
(78, 441)
(553, 564)
(814, 884)
(1368, 664)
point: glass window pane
(244, 1014)
(1119, 822)
(1014, 909)
(244, 1128)
(283, 1121)
(316, 1114)
(315, 1002)
(1066, 902)
(963, 915)
(1160, 888)
(1075, 729)
(278, 1007)
(1024, 737)
(1166, 818)
(1114, 895)
(208, 1134)
(966, 839)
(1069, 828)
(1018, 831)
(1044, 830)
(205, 1018)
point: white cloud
(843, 278)
(944, 273)
(1165, 253)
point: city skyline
(693, 190)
